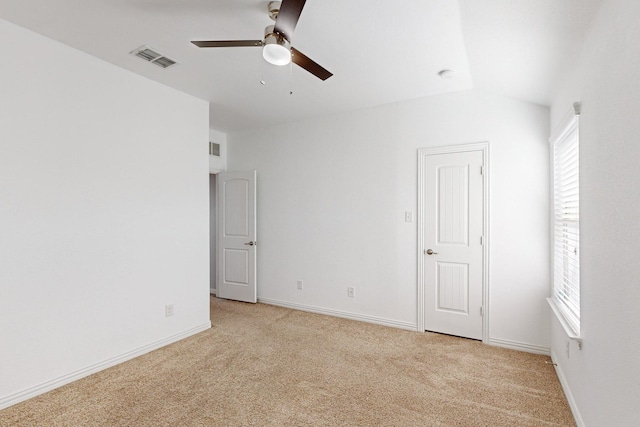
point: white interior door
(453, 238)
(236, 260)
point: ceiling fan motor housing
(274, 8)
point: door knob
(252, 243)
(430, 252)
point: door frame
(214, 290)
(423, 153)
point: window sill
(567, 329)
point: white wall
(103, 214)
(219, 163)
(603, 380)
(332, 193)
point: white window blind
(566, 223)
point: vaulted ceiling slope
(380, 52)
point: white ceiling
(379, 51)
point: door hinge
(481, 312)
(481, 170)
(481, 240)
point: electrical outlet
(568, 348)
(168, 310)
(351, 292)
(300, 286)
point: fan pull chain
(262, 80)
(291, 78)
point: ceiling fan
(276, 45)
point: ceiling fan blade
(309, 64)
(227, 43)
(288, 16)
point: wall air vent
(214, 149)
(150, 55)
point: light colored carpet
(261, 365)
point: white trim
(567, 392)
(46, 386)
(420, 239)
(213, 291)
(338, 313)
(568, 318)
(422, 154)
(561, 127)
(218, 277)
(571, 334)
(520, 346)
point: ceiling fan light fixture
(276, 54)
(276, 50)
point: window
(566, 221)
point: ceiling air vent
(154, 57)
(214, 149)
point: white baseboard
(567, 392)
(513, 345)
(520, 346)
(344, 314)
(212, 291)
(30, 392)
